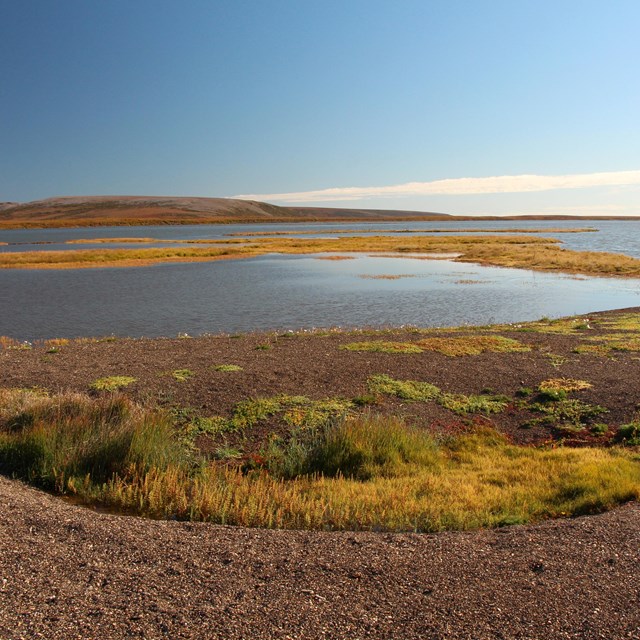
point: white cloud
(457, 186)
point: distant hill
(82, 211)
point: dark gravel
(68, 572)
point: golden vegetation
(518, 251)
(359, 473)
(472, 345)
(564, 384)
(458, 346)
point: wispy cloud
(456, 186)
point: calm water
(291, 292)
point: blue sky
(284, 100)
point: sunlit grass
(472, 345)
(518, 251)
(564, 384)
(365, 472)
(112, 383)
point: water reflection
(289, 292)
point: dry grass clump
(8, 343)
(472, 345)
(359, 473)
(564, 384)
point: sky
(488, 107)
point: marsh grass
(517, 251)
(366, 472)
(72, 440)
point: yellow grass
(379, 474)
(476, 481)
(564, 384)
(472, 345)
(501, 250)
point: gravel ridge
(68, 572)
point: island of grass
(502, 250)
(400, 430)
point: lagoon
(290, 293)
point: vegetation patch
(295, 411)
(463, 404)
(567, 414)
(629, 434)
(112, 383)
(472, 345)
(405, 389)
(363, 473)
(227, 368)
(426, 392)
(564, 384)
(182, 375)
(555, 360)
(517, 251)
(382, 346)
(601, 350)
(561, 326)
(623, 322)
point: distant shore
(99, 211)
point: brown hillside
(82, 211)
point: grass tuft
(227, 368)
(112, 383)
(182, 375)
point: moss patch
(112, 383)
(472, 345)
(405, 389)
